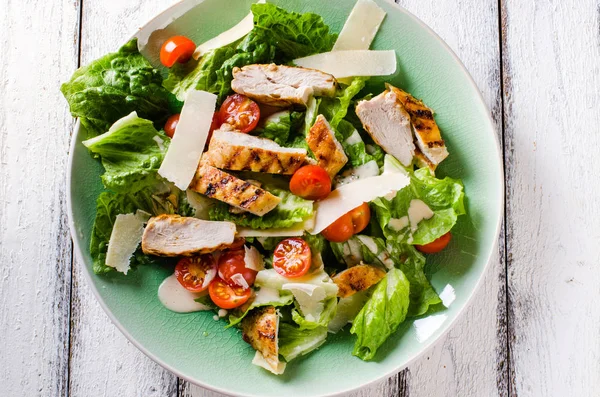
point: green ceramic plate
(198, 348)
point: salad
(286, 197)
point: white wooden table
(532, 330)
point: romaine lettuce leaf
(131, 153)
(294, 341)
(445, 197)
(282, 127)
(347, 309)
(335, 109)
(293, 35)
(412, 264)
(114, 86)
(291, 210)
(381, 315)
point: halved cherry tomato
(292, 257)
(171, 125)
(340, 230)
(176, 49)
(231, 263)
(436, 245)
(361, 216)
(226, 296)
(196, 272)
(241, 112)
(311, 182)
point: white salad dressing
(417, 211)
(178, 299)
(398, 224)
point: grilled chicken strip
(357, 278)
(427, 132)
(326, 148)
(260, 329)
(388, 123)
(243, 152)
(222, 186)
(173, 235)
(279, 85)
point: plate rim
(426, 347)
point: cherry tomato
(241, 112)
(340, 230)
(361, 216)
(176, 49)
(226, 296)
(311, 182)
(171, 125)
(436, 245)
(292, 257)
(195, 273)
(232, 262)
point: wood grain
(103, 362)
(552, 76)
(38, 43)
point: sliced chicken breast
(422, 161)
(388, 123)
(326, 148)
(260, 329)
(173, 235)
(279, 85)
(357, 278)
(427, 132)
(243, 152)
(222, 186)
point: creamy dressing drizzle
(417, 211)
(178, 299)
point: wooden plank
(38, 43)
(103, 362)
(469, 360)
(551, 63)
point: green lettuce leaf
(354, 147)
(199, 75)
(412, 264)
(335, 109)
(294, 341)
(131, 153)
(293, 35)
(291, 210)
(114, 86)
(282, 127)
(445, 197)
(381, 315)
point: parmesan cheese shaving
(240, 280)
(124, 239)
(351, 63)
(253, 259)
(360, 27)
(260, 361)
(350, 196)
(191, 133)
